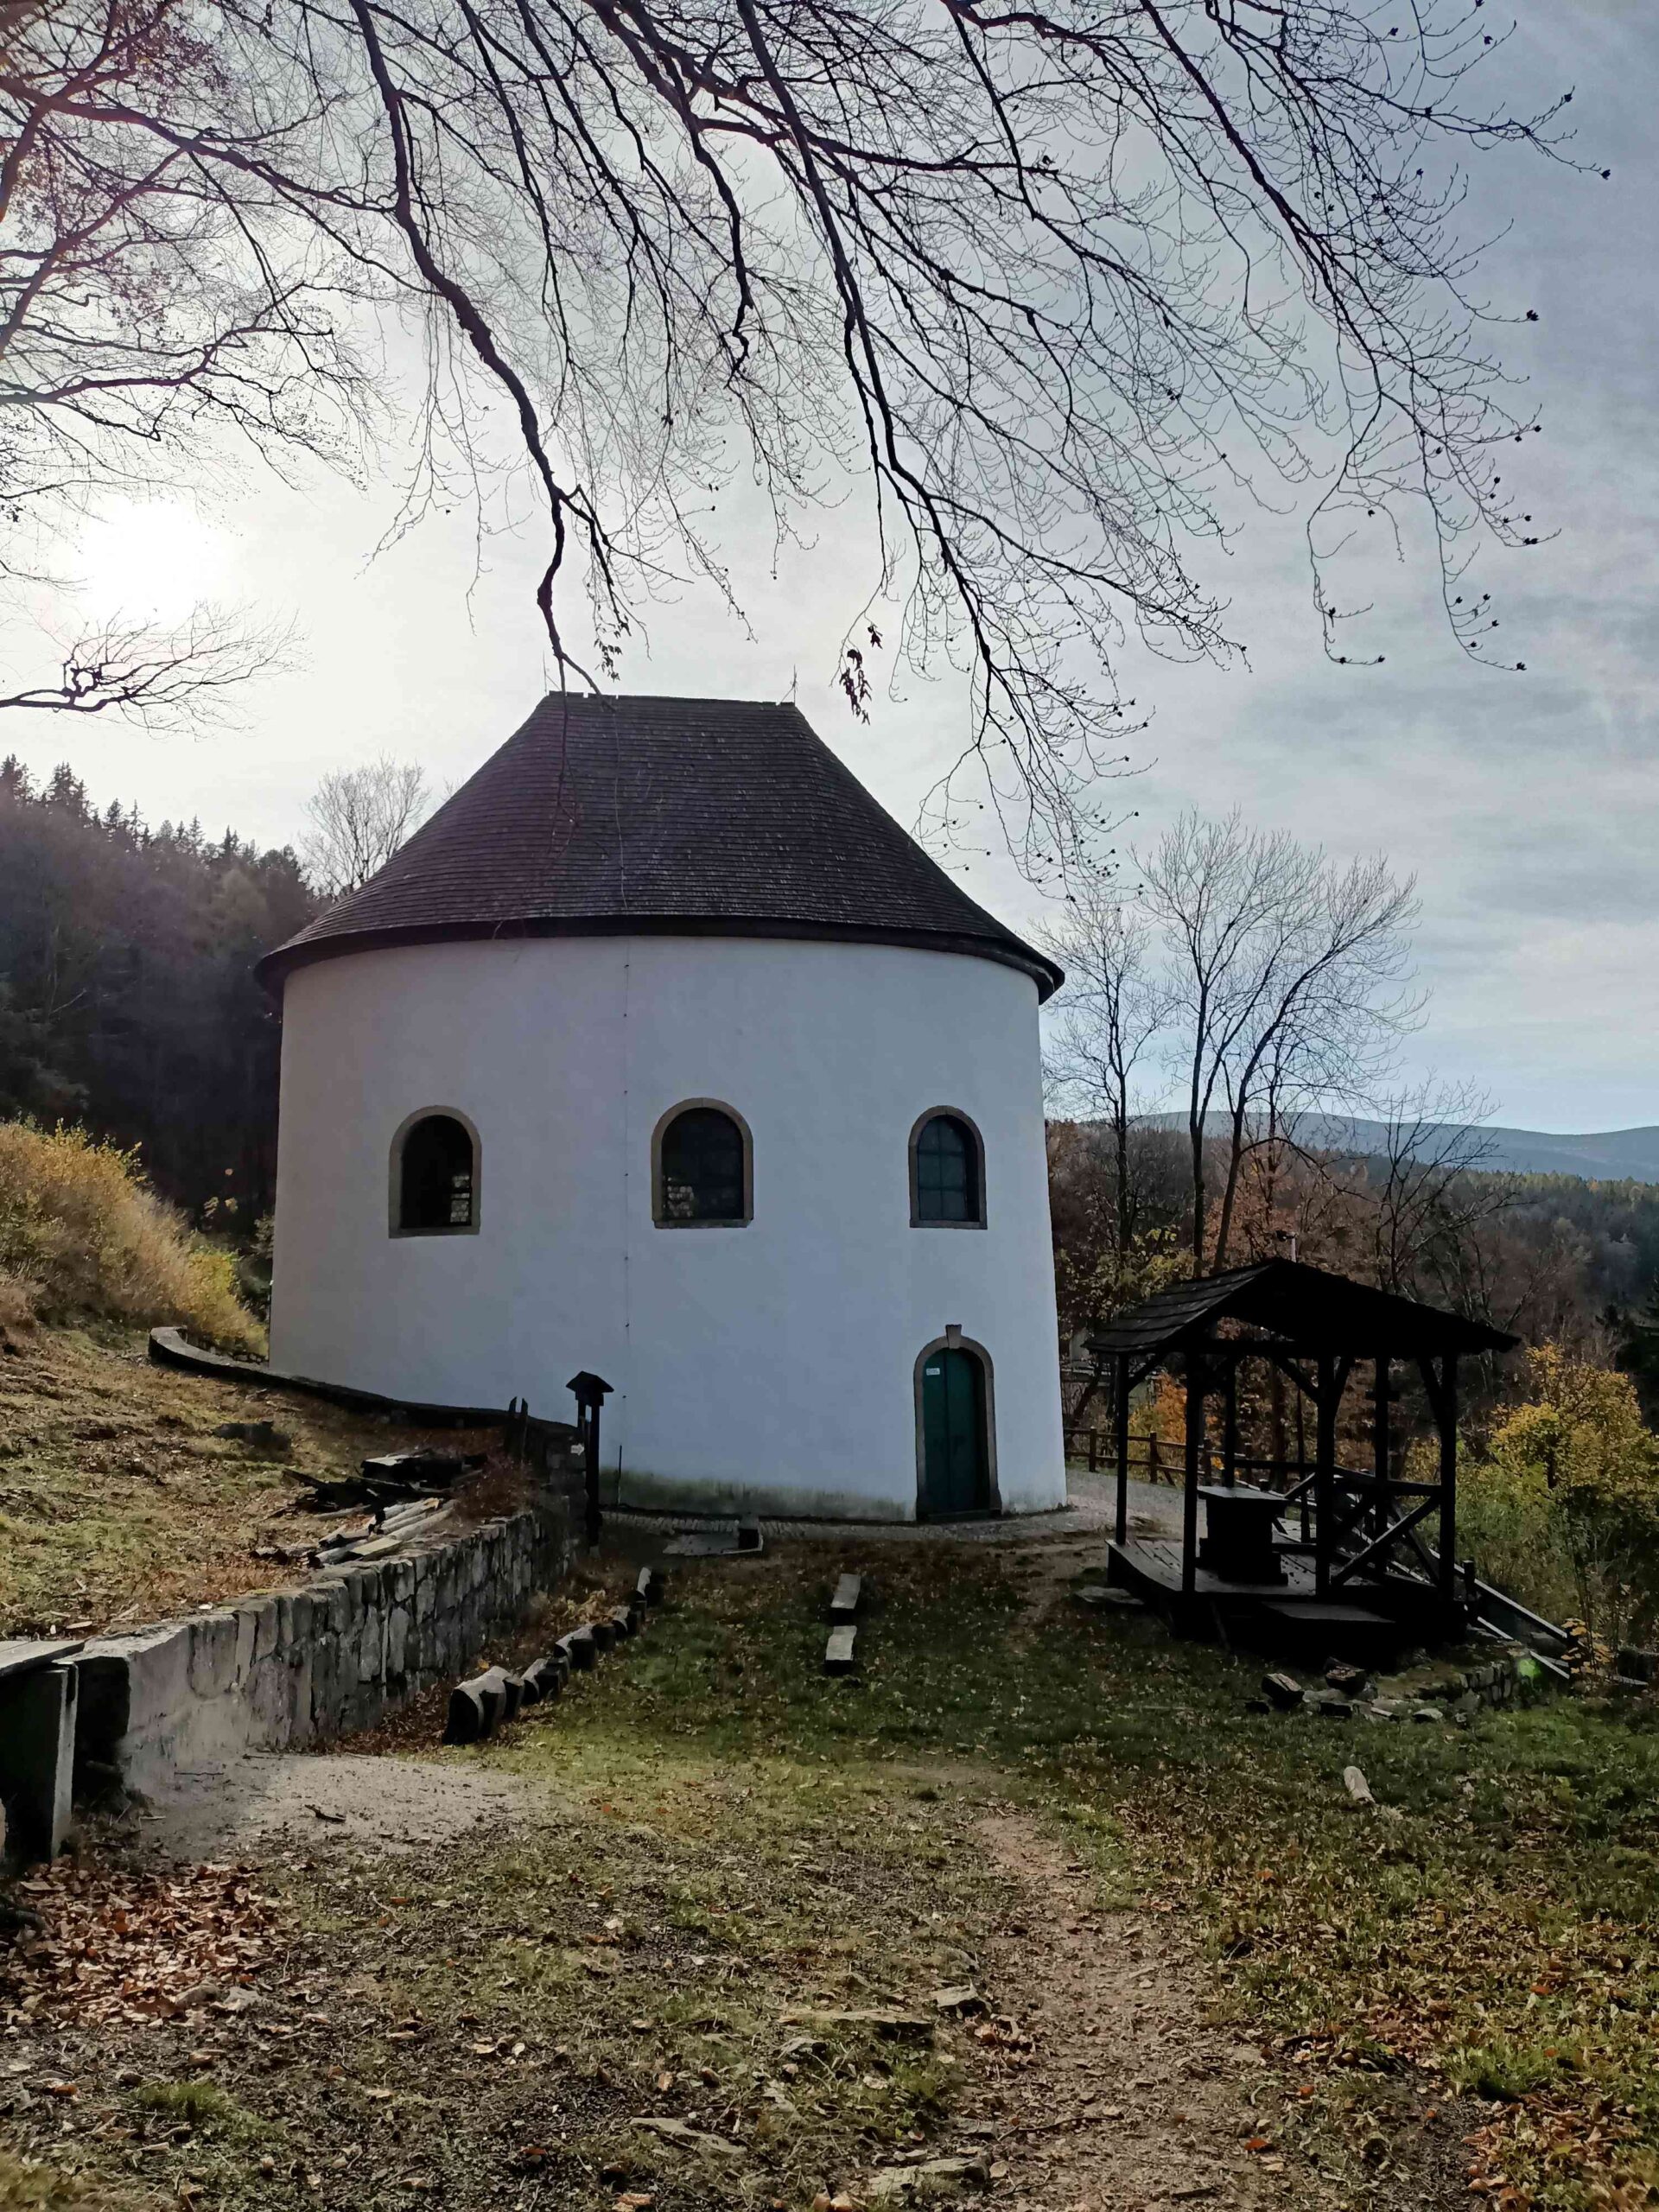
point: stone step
(849, 1591)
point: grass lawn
(721, 1850)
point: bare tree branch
(1043, 285)
(176, 676)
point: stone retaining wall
(289, 1667)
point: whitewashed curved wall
(772, 1364)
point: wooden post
(1445, 1415)
(1195, 1382)
(1380, 1447)
(1324, 1465)
(1121, 1440)
(591, 1471)
(1230, 1423)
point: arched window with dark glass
(947, 1174)
(435, 1176)
(702, 1167)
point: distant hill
(1599, 1156)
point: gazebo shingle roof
(1306, 1307)
(683, 817)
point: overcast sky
(1526, 805)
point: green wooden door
(956, 1463)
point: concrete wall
(297, 1667)
(770, 1366)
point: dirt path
(1126, 2100)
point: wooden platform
(1366, 1621)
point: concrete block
(213, 1654)
(37, 1757)
(838, 1652)
(849, 1594)
(468, 1721)
(301, 1689)
(264, 1620)
(331, 1607)
(322, 1693)
(247, 1636)
(156, 1663)
(493, 1688)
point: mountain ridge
(1592, 1155)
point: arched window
(435, 1177)
(702, 1167)
(947, 1174)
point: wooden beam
(1352, 1566)
(1195, 1383)
(1282, 1360)
(1120, 1438)
(1230, 1423)
(1324, 1462)
(1445, 1415)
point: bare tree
(1289, 977)
(1432, 1188)
(1034, 281)
(360, 817)
(1116, 1008)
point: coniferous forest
(127, 1000)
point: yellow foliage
(81, 1234)
(1563, 1509)
(1579, 1433)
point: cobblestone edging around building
(285, 1669)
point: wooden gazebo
(1321, 1547)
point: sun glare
(152, 562)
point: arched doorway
(954, 1430)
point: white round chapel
(661, 1051)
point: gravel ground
(394, 1804)
(1154, 1508)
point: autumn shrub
(81, 1234)
(1562, 1508)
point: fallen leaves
(120, 1946)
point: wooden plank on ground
(22, 1654)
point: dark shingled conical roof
(602, 816)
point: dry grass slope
(81, 1234)
(118, 1503)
